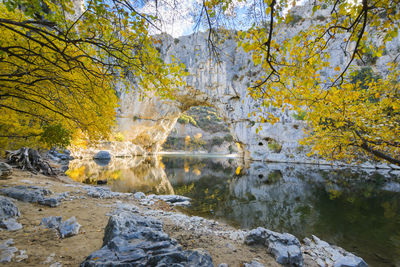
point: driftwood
(30, 159)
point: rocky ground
(36, 245)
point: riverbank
(44, 247)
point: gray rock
(223, 265)
(7, 251)
(33, 194)
(325, 254)
(8, 212)
(5, 171)
(103, 192)
(51, 222)
(10, 224)
(284, 247)
(102, 155)
(69, 227)
(174, 200)
(254, 263)
(139, 195)
(7, 208)
(350, 261)
(133, 240)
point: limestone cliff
(223, 85)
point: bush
(217, 141)
(228, 138)
(274, 146)
(185, 119)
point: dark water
(357, 210)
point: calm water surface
(357, 210)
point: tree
(347, 120)
(63, 65)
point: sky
(176, 17)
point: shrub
(185, 119)
(274, 146)
(228, 138)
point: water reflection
(145, 174)
(357, 210)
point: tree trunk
(30, 159)
(380, 154)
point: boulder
(51, 222)
(10, 224)
(67, 228)
(33, 194)
(8, 212)
(7, 208)
(134, 240)
(284, 247)
(328, 255)
(5, 171)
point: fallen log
(29, 159)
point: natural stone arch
(148, 122)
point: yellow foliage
(64, 70)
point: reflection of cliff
(190, 169)
(270, 197)
(124, 174)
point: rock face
(8, 213)
(5, 170)
(284, 247)
(33, 194)
(133, 240)
(146, 123)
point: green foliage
(228, 138)
(274, 146)
(207, 119)
(217, 141)
(54, 135)
(299, 115)
(185, 119)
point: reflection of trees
(365, 223)
(124, 174)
